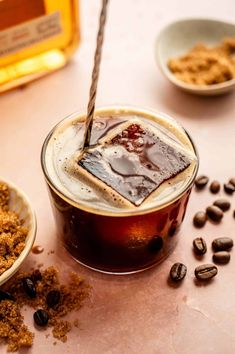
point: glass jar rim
(122, 212)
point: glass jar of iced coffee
(119, 205)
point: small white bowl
(20, 204)
(179, 37)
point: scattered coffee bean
(232, 181)
(222, 257)
(199, 245)
(215, 187)
(53, 298)
(223, 204)
(178, 272)
(214, 213)
(199, 219)
(201, 182)
(41, 317)
(4, 295)
(229, 188)
(205, 271)
(29, 287)
(222, 244)
(155, 244)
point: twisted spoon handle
(95, 76)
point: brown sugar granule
(72, 296)
(60, 330)
(13, 331)
(12, 233)
(50, 252)
(4, 196)
(206, 66)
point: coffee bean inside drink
(119, 205)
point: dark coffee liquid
(119, 244)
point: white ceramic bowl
(20, 203)
(177, 38)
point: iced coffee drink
(119, 205)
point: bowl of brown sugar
(198, 55)
(17, 229)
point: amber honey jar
(36, 38)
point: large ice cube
(134, 162)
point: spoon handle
(95, 76)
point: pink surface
(141, 313)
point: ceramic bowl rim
(170, 76)
(30, 236)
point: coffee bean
(155, 244)
(215, 187)
(232, 181)
(201, 182)
(223, 204)
(29, 287)
(222, 244)
(41, 317)
(214, 213)
(178, 272)
(222, 257)
(53, 298)
(199, 245)
(229, 188)
(205, 271)
(199, 219)
(4, 295)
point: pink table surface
(138, 313)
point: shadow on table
(173, 284)
(192, 106)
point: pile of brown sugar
(12, 233)
(206, 66)
(13, 330)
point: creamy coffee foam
(75, 183)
